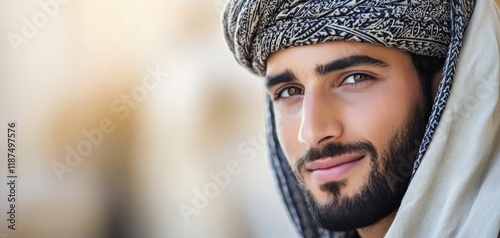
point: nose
(320, 119)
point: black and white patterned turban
(256, 28)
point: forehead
(307, 57)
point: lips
(332, 168)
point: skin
(314, 109)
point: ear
(435, 82)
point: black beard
(387, 183)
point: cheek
(287, 129)
(377, 115)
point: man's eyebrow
(347, 62)
(284, 77)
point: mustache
(333, 149)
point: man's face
(349, 117)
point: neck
(378, 229)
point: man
(370, 135)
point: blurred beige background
(184, 156)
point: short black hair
(426, 68)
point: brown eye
(290, 91)
(360, 77)
(356, 78)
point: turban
(254, 29)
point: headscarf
(456, 190)
(256, 28)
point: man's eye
(356, 78)
(288, 92)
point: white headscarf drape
(456, 190)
